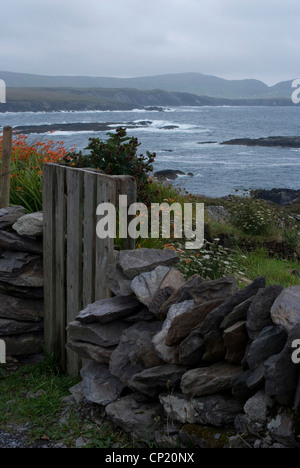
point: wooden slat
(106, 193)
(51, 344)
(6, 167)
(74, 256)
(89, 237)
(127, 186)
(60, 261)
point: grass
(32, 396)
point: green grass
(276, 270)
(33, 396)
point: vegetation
(117, 156)
(27, 170)
(32, 397)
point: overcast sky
(125, 38)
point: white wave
(68, 133)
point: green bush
(117, 156)
(253, 216)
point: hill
(193, 83)
(80, 99)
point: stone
(191, 351)
(282, 429)
(184, 293)
(143, 316)
(215, 350)
(178, 408)
(105, 335)
(22, 345)
(98, 385)
(202, 292)
(14, 242)
(241, 424)
(30, 225)
(182, 325)
(8, 216)
(259, 314)
(238, 314)
(140, 420)
(91, 352)
(13, 327)
(235, 341)
(281, 373)
(109, 310)
(77, 393)
(167, 353)
(209, 380)
(152, 382)
(286, 309)
(256, 379)
(172, 282)
(218, 214)
(217, 410)
(239, 386)
(21, 269)
(257, 408)
(25, 310)
(135, 351)
(117, 281)
(215, 318)
(135, 262)
(146, 285)
(271, 341)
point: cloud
(232, 38)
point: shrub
(27, 170)
(213, 261)
(117, 156)
(253, 216)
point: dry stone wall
(21, 281)
(195, 361)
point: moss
(206, 436)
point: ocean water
(194, 145)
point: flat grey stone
(12, 241)
(135, 351)
(271, 341)
(98, 385)
(238, 314)
(141, 420)
(13, 327)
(209, 380)
(286, 309)
(22, 345)
(167, 353)
(135, 262)
(105, 335)
(90, 351)
(10, 215)
(20, 269)
(257, 408)
(152, 382)
(109, 310)
(259, 314)
(25, 310)
(30, 225)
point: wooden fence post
(6, 167)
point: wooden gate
(75, 259)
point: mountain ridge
(192, 83)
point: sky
(232, 39)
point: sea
(189, 139)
